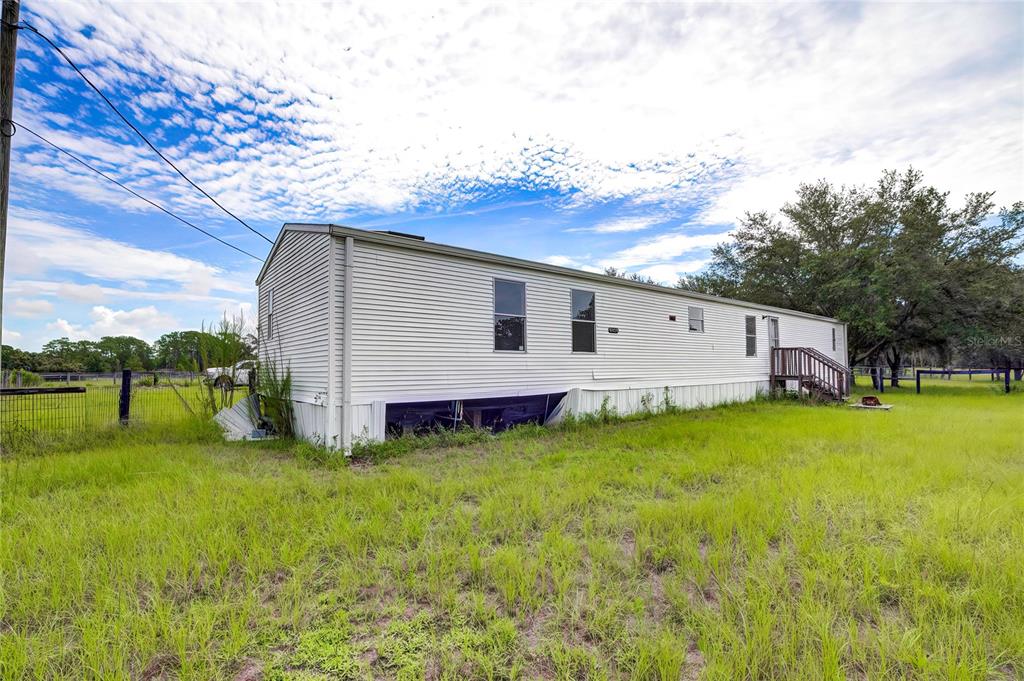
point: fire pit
(871, 402)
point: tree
(905, 269)
(177, 350)
(632, 276)
(18, 359)
(61, 354)
(127, 352)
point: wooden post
(918, 381)
(1006, 379)
(8, 51)
(124, 404)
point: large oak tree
(904, 267)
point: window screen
(509, 315)
(584, 321)
(751, 332)
(696, 315)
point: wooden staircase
(815, 373)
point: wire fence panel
(42, 411)
(26, 411)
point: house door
(773, 332)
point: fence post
(124, 404)
(1006, 379)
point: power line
(133, 192)
(25, 24)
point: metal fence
(24, 411)
(145, 398)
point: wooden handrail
(809, 365)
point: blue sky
(586, 135)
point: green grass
(770, 540)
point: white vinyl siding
(423, 329)
(297, 338)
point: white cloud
(147, 323)
(574, 263)
(620, 225)
(724, 106)
(663, 248)
(28, 307)
(38, 246)
(10, 336)
(81, 293)
(94, 293)
(669, 273)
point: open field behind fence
(65, 409)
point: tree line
(177, 350)
(905, 268)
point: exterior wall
(423, 329)
(297, 274)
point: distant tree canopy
(177, 350)
(632, 276)
(903, 267)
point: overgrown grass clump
(769, 540)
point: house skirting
(367, 420)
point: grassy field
(769, 540)
(41, 416)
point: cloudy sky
(585, 135)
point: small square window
(584, 337)
(696, 315)
(509, 333)
(583, 305)
(509, 297)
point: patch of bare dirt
(707, 595)
(628, 543)
(250, 670)
(162, 667)
(694, 664)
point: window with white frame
(751, 333)
(270, 313)
(509, 316)
(584, 320)
(696, 315)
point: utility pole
(8, 50)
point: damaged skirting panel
(496, 413)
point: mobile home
(386, 333)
